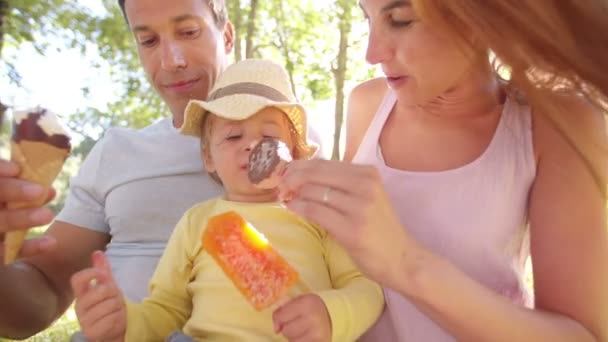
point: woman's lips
(396, 81)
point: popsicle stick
(301, 287)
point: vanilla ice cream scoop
(40, 125)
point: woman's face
(418, 62)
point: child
(251, 100)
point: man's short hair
(218, 9)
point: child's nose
(252, 145)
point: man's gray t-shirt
(135, 185)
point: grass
(64, 327)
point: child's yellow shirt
(190, 292)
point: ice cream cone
(40, 163)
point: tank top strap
(517, 131)
(369, 143)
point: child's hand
(100, 306)
(304, 318)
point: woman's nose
(379, 48)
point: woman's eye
(401, 23)
(399, 19)
(233, 137)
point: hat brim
(243, 106)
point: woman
(466, 175)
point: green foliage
(29, 20)
(34, 21)
(304, 36)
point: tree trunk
(251, 29)
(3, 12)
(3, 109)
(236, 15)
(340, 72)
(290, 72)
(284, 47)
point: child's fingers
(96, 295)
(100, 261)
(108, 327)
(102, 309)
(295, 329)
(285, 314)
(304, 318)
(81, 281)
(98, 274)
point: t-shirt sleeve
(355, 302)
(85, 202)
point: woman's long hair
(549, 47)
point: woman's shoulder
(570, 127)
(371, 90)
(364, 101)
(567, 115)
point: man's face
(181, 48)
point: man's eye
(147, 42)
(191, 33)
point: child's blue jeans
(178, 336)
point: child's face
(229, 145)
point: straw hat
(244, 89)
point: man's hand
(100, 305)
(13, 189)
(304, 318)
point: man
(133, 186)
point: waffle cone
(40, 163)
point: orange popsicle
(256, 269)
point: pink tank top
(475, 216)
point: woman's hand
(349, 201)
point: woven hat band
(249, 88)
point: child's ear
(207, 160)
